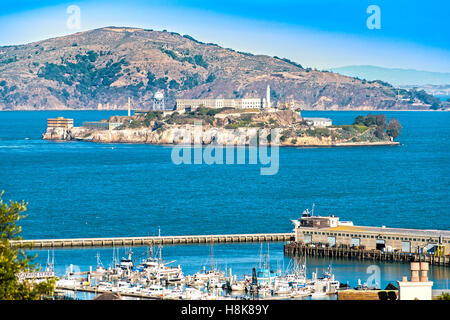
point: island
(229, 126)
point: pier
(327, 236)
(60, 290)
(152, 240)
(347, 252)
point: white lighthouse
(268, 105)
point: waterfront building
(60, 122)
(101, 125)
(331, 231)
(242, 103)
(319, 122)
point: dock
(347, 252)
(96, 291)
(151, 240)
(327, 236)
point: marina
(313, 235)
(98, 209)
(153, 278)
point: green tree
(14, 261)
(380, 121)
(359, 120)
(444, 296)
(173, 84)
(210, 78)
(151, 79)
(393, 128)
(379, 132)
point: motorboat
(192, 294)
(126, 263)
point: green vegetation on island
(295, 130)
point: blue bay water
(79, 189)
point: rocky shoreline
(212, 135)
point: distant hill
(108, 65)
(397, 77)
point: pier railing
(153, 240)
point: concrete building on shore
(217, 103)
(59, 122)
(319, 122)
(329, 230)
(242, 103)
(101, 125)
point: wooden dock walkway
(301, 249)
(154, 240)
(96, 291)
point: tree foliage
(371, 120)
(14, 261)
(393, 128)
(444, 296)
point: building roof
(412, 232)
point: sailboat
(50, 264)
(211, 278)
(264, 274)
(100, 269)
(297, 275)
(156, 268)
(126, 263)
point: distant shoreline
(308, 110)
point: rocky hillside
(108, 65)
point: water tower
(158, 101)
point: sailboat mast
(212, 259)
(114, 257)
(261, 256)
(160, 248)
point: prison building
(60, 122)
(244, 103)
(101, 125)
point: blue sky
(321, 34)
